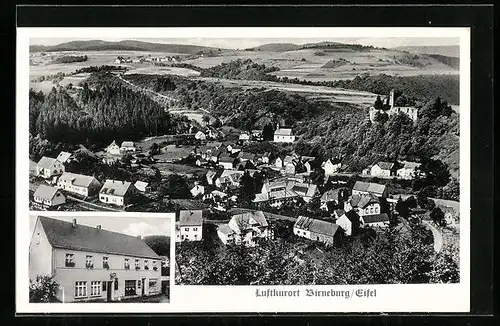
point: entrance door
(109, 288)
(143, 286)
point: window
(95, 288)
(195, 229)
(195, 236)
(155, 267)
(137, 264)
(130, 287)
(37, 239)
(80, 289)
(153, 285)
(89, 261)
(104, 286)
(105, 262)
(186, 229)
(126, 264)
(146, 264)
(70, 260)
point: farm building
(189, 226)
(49, 167)
(318, 230)
(83, 185)
(115, 192)
(49, 196)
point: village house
(349, 222)
(115, 192)
(128, 146)
(330, 167)
(246, 228)
(361, 187)
(226, 162)
(218, 200)
(197, 190)
(450, 216)
(375, 220)
(278, 163)
(383, 169)
(283, 135)
(410, 111)
(279, 191)
(264, 158)
(64, 157)
(113, 149)
(229, 178)
(212, 175)
(334, 196)
(48, 196)
(318, 230)
(83, 185)
(363, 204)
(245, 156)
(215, 154)
(244, 136)
(408, 170)
(49, 167)
(189, 227)
(90, 263)
(142, 186)
(200, 135)
(246, 165)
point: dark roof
(385, 165)
(190, 218)
(376, 218)
(78, 180)
(369, 187)
(46, 162)
(62, 234)
(362, 201)
(45, 192)
(331, 195)
(115, 187)
(317, 226)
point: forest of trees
(241, 69)
(392, 257)
(70, 59)
(111, 111)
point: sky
(134, 226)
(233, 43)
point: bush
(43, 289)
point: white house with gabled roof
(283, 135)
(92, 264)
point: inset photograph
(99, 258)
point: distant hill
(276, 47)
(127, 45)
(453, 62)
(446, 50)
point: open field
(162, 70)
(45, 86)
(75, 80)
(171, 168)
(42, 64)
(323, 92)
(308, 64)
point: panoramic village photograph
(285, 161)
(99, 259)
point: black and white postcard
(293, 169)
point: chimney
(74, 222)
(99, 227)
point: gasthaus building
(92, 264)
